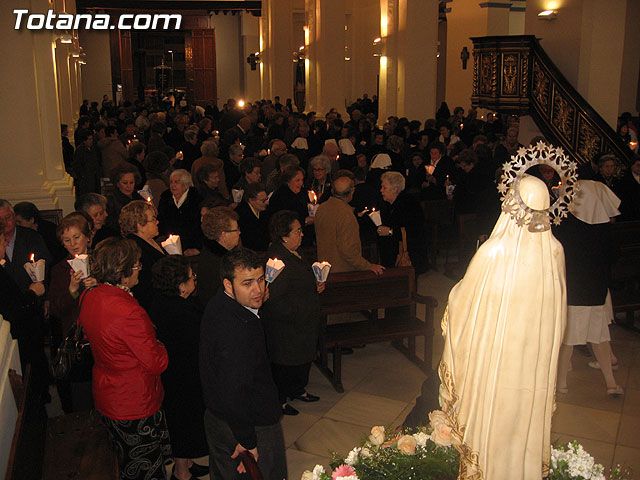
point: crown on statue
(514, 171)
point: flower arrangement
(425, 453)
(428, 453)
(572, 462)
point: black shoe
(198, 470)
(289, 410)
(307, 397)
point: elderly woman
(252, 217)
(400, 211)
(291, 314)
(74, 233)
(221, 234)
(207, 182)
(95, 205)
(292, 196)
(124, 177)
(129, 359)
(135, 155)
(189, 148)
(179, 212)
(139, 223)
(177, 320)
(157, 165)
(320, 182)
(210, 154)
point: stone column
(33, 168)
(311, 84)
(64, 84)
(277, 41)
(417, 61)
(388, 48)
(326, 21)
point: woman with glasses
(176, 316)
(319, 180)
(291, 314)
(139, 223)
(129, 359)
(252, 218)
(221, 234)
(74, 232)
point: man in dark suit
(252, 220)
(243, 411)
(16, 246)
(21, 243)
(440, 168)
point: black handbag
(73, 360)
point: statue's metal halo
(515, 169)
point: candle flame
(32, 258)
(148, 199)
(315, 198)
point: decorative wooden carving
(530, 84)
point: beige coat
(338, 237)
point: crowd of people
(186, 367)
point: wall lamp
(547, 15)
(378, 46)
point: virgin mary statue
(503, 329)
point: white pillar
(64, 84)
(326, 21)
(279, 47)
(33, 168)
(388, 99)
(417, 61)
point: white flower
(348, 477)
(317, 471)
(352, 457)
(421, 438)
(307, 475)
(365, 453)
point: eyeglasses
(231, 231)
(262, 199)
(137, 267)
(297, 231)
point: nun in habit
(589, 249)
(503, 329)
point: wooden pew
(27, 448)
(364, 291)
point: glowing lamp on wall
(547, 15)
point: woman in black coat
(293, 196)
(291, 314)
(177, 320)
(139, 223)
(183, 220)
(124, 177)
(400, 210)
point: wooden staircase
(513, 74)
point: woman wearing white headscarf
(589, 250)
(503, 331)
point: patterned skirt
(142, 446)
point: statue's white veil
(505, 325)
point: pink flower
(343, 471)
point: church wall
(588, 43)
(228, 56)
(96, 74)
(630, 61)
(363, 66)
(465, 20)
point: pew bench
(351, 292)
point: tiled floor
(381, 386)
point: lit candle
(32, 258)
(149, 200)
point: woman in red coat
(128, 359)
